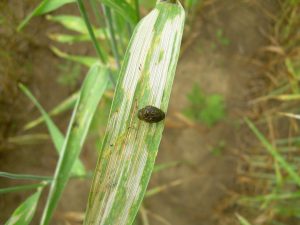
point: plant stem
(100, 53)
(113, 42)
(137, 9)
(95, 11)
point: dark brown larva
(151, 114)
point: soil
(205, 179)
(225, 70)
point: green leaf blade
(89, 97)
(63, 106)
(74, 23)
(56, 135)
(44, 7)
(24, 213)
(130, 146)
(87, 61)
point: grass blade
(84, 60)
(28, 139)
(242, 220)
(56, 135)
(23, 176)
(124, 9)
(77, 24)
(63, 106)
(21, 188)
(102, 55)
(90, 95)
(74, 23)
(130, 145)
(282, 162)
(24, 213)
(163, 166)
(287, 97)
(44, 7)
(113, 42)
(164, 187)
(273, 196)
(71, 39)
(291, 115)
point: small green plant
(207, 109)
(217, 150)
(222, 39)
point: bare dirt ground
(225, 70)
(206, 179)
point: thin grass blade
(282, 162)
(242, 220)
(44, 7)
(74, 23)
(77, 24)
(22, 187)
(63, 106)
(24, 213)
(164, 166)
(291, 115)
(112, 39)
(28, 139)
(23, 176)
(56, 135)
(84, 60)
(71, 39)
(90, 95)
(130, 145)
(124, 9)
(273, 196)
(102, 54)
(164, 187)
(287, 97)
